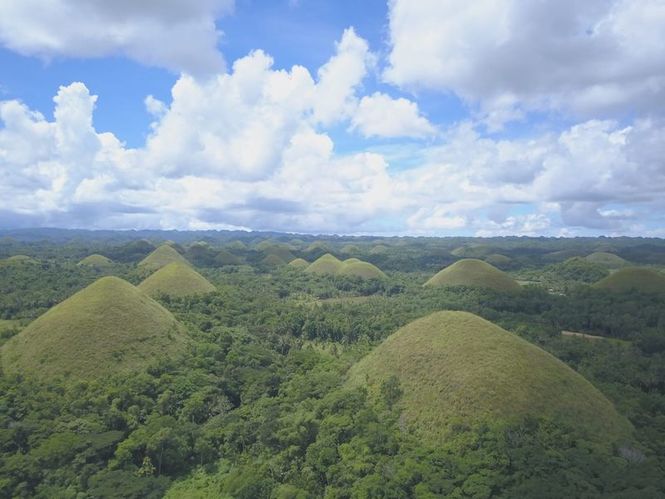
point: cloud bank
(254, 146)
(174, 34)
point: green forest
(266, 365)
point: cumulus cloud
(508, 57)
(180, 35)
(339, 78)
(379, 115)
(250, 148)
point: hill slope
(455, 367)
(498, 260)
(474, 273)
(605, 259)
(20, 259)
(97, 261)
(640, 279)
(176, 279)
(326, 264)
(162, 256)
(299, 263)
(109, 326)
(364, 270)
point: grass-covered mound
(20, 259)
(236, 245)
(326, 264)
(108, 327)
(224, 257)
(279, 250)
(176, 279)
(609, 260)
(474, 273)
(453, 368)
(317, 246)
(299, 263)
(379, 249)
(353, 267)
(472, 250)
(498, 260)
(350, 249)
(364, 270)
(273, 261)
(161, 257)
(561, 255)
(633, 278)
(96, 261)
(351, 260)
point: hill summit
(606, 259)
(96, 261)
(176, 279)
(474, 273)
(108, 327)
(326, 264)
(299, 263)
(455, 367)
(331, 265)
(161, 257)
(633, 278)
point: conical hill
(633, 278)
(299, 263)
(474, 273)
(364, 270)
(176, 279)
(161, 257)
(108, 327)
(455, 367)
(326, 264)
(96, 261)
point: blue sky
(424, 117)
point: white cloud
(176, 34)
(379, 115)
(339, 78)
(249, 149)
(508, 57)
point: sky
(405, 117)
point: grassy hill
(331, 265)
(236, 245)
(273, 260)
(473, 250)
(474, 273)
(326, 264)
(629, 278)
(176, 279)
(299, 263)
(350, 249)
(379, 249)
(609, 260)
(108, 327)
(364, 270)
(224, 257)
(351, 260)
(498, 260)
(20, 259)
(280, 251)
(317, 246)
(96, 261)
(455, 367)
(161, 257)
